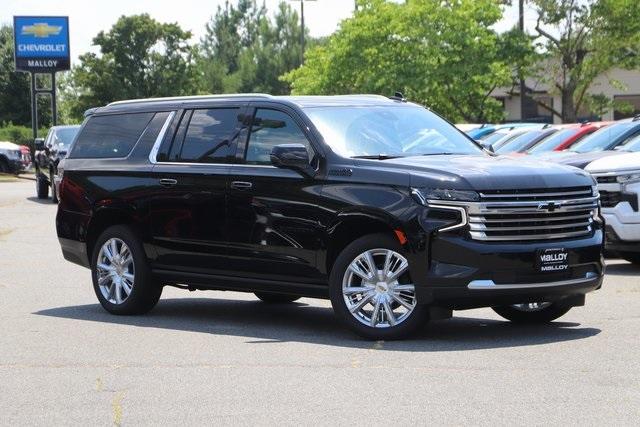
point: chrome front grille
(529, 215)
(542, 214)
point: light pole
(302, 27)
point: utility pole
(520, 71)
(302, 38)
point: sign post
(41, 47)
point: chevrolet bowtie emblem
(551, 206)
(41, 30)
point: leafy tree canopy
(440, 53)
(139, 57)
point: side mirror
(292, 156)
(39, 144)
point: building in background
(629, 92)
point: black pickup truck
(49, 152)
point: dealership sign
(41, 43)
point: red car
(565, 137)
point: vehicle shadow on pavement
(622, 269)
(46, 201)
(298, 322)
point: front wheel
(534, 312)
(372, 292)
(42, 187)
(122, 279)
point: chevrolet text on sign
(41, 43)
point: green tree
(139, 57)
(245, 51)
(440, 53)
(15, 88)
(580, 41)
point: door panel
(188, 217)
(189, 212)
(274, 221)
(275, 226)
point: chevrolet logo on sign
(41, 30)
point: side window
(110, 136)
(271, 128)
(210, 136)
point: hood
(483, 172)
(622, 162)
(4, 145)
(580, 160)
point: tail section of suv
(618, 180)
(377, 204)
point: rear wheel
(276, 298)
(122, 280)
(632, 257)
(42, 187)
(372, 292)
(535, 312)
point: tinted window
(522, 142)
(110, 136)
(210, 136)
(271, 128)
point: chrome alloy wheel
(531, 306)
(115, 271)
(377, 290)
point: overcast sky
(87, 18)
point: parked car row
(610, 151)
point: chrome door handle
(241, 185)
(168, 182)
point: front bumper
(463, 273)
(15, 166)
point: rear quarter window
(110, 136)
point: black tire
(276, 298)
(145, 291)
(632, 257)
(544, 315)
(54, 193)
(415, 320)
(42, 187)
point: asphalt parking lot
(225, 358)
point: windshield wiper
(376, 157)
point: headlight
(629, 178)
(423, 194)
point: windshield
(601, 139)
(632, 144)
(494, 137)
(521, 143)
(507, 138)
(64, 136)
(390, 131)
(551, 142)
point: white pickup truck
(619, 185)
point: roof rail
(190, 98)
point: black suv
(49, 153)
(377, 204)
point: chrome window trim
(153, 154)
